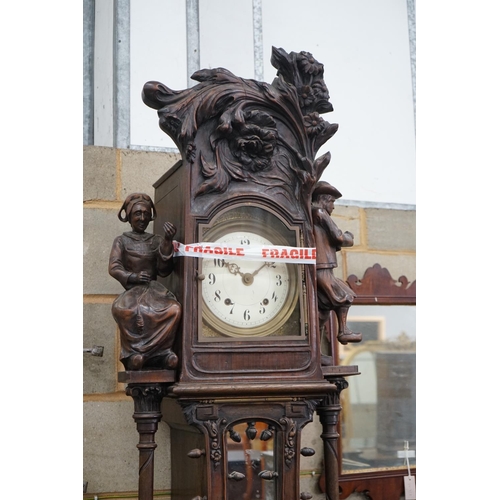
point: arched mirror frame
(377, 287)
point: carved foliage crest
(233, 129)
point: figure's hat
(129, 203)
(323, 187)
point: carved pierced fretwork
(378, 287)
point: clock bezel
(229, 220)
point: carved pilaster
(290, 439)
(215, 435)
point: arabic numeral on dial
(211, 279)
(219, 262)
(262, 309)
(246, 315)
(245, 241)
(279, 281)
(274, 297)
(229, 302)
(217, 296)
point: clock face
(243, 298)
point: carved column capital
(147, 397)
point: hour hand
(233, 268)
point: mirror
(379, 407)
(251, 470)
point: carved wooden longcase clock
(250, 374)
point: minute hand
(269, 264)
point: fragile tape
(264, 253)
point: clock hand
(247, 278)
(269, 264)
(233, 269)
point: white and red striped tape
(265, 253)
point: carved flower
(253, 140)
(289, 454)
(314, 123)
(190, 152)
(320, 90)
(306, 96)
(216, 455)
(308, 64)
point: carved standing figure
(333, 293)
(147, 314)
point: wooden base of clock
(230, 442)
(235, 441)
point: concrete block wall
(110, 456)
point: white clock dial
(244, 294)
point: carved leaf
(320, 164)
(329, 130)
(282, 62)
(156, 94)
(217, 178)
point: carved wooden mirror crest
(378, 287)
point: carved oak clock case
(251, 320)
(250, 374)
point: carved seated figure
(147, 314)
(333, 293)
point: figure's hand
(142, 277)
(170, 230)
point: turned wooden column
(329, 412)
(147, 389)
